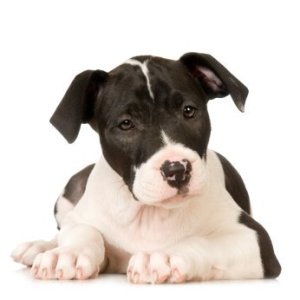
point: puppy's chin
(174, 201)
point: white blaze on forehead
(166, 139)
(145, 71)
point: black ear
(215, 79)
(77, 105)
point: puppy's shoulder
(233, 182)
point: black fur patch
(270, 263)
(76, 185)
(235, 185)
(55, 212)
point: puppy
(158, 205)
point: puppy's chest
(151, 229)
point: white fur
(199, 238)
(145, 71)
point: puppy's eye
(189, 111)
(126, 125)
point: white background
(44, 44)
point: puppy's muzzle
(176, 173)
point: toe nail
(129, 276)
(34, 271)
(79, 273)
(154, 277)
(59, 274)
(44, 273)
(177, 277)
(136, 277)
(162, 279)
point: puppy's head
(151, 116)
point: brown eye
(126, 125)
(189, 111)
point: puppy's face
(154, 129)
(151, 115)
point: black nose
(176, 173)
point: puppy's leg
(78, 255)
(234, 255)
(245, 252)
(25, 253)
(197, 259)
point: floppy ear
(215, 79)
(77, 105)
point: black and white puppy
(158, 205)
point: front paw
(157, 268)
(67, 263)
(25, 253)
